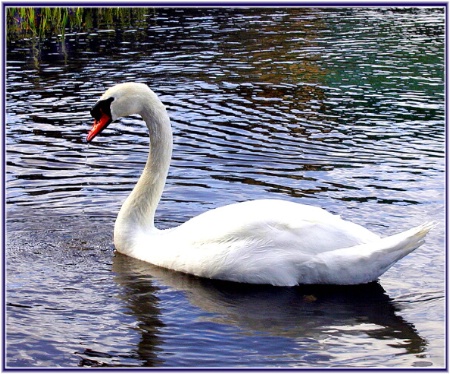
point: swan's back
(309, 229)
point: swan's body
(261, 241)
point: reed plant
(50, 21)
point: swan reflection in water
(312, 313)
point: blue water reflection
(337, 107)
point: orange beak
(99, 126)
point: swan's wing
(261, 241)
(273, 223)
(280, 243)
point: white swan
(262, 241)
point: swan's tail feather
(414, 237)
(367, 262)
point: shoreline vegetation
(43, 22)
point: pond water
(341, 108)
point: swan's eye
(102, 107)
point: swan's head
(119, 101)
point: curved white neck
(138, 211)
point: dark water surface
(340, 108)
